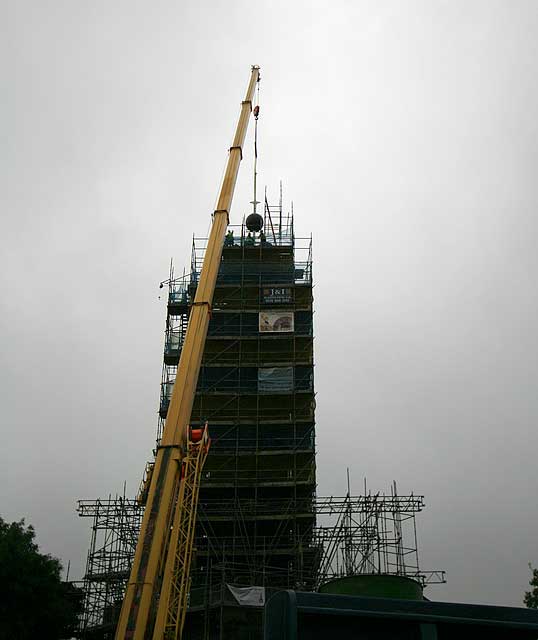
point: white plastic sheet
(248, 596)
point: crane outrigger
(155, 600)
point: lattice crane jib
(176, 580)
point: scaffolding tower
(115, 527)
(256, 513)
(371, 534)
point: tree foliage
(531, 597)
(34, 602)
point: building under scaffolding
(256, 390)
(260, 526)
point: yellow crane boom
(155, 563)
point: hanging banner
(276, 321)
(273, 379)
(249, 596)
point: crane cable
(256, 113)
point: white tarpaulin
(249, 596)
(276, 321)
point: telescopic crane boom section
(162, 559)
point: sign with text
(276, 295)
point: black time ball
(254, 222)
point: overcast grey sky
(406, 135)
